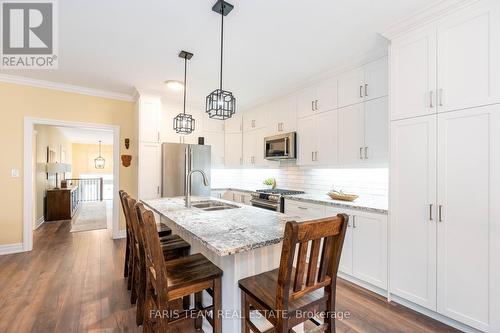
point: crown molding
(424, 16)
(15, 79)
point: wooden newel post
(101, 189)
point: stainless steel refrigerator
(179, 158)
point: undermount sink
(211, 205)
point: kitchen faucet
(188, 185)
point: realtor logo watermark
(29, 34)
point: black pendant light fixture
(99, 162)
(184, 123)
(221, 104)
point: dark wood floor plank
(73, 282)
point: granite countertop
(245, 190)
(373, 204)
(224, 232)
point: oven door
(265, 204)
(280, 147)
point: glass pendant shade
(99, 162)
(221, 104)
(184, 123)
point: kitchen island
(242, 241)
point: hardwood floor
(73, 282)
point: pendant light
(184, 123)
(99, 162)
(221, 104)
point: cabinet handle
(366, 89)
(241, 160)
(316, 105)
(354, 225)
(360, 91)
(312, 105)
(360, 153)
(430, 213)
(158, 136)
(440, 213)
(312, 156)
(431, 99)
(303, 208)
(366, 153)
(440, 97)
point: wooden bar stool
(163, 230)
(297, 292)
(173, 247)
(174, 279)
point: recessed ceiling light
(174, 85)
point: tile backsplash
(315, 181)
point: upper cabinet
(451, 65)
(363, 133)
(234, 124)
(282, 117)
(413, 75)
(212, 125)
(318, 98)
(216, 141)
(233, 152)
(255, 118)
(364, 83)
(149, 117)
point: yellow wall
(48, 136)
(17, 102)
(83, 156)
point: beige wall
(83, 156)
(48, 136)
(17, 102)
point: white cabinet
(150, 170)
(149, 117)
(318, 98)
(445, 175)
(364, 83)
(363, 132)
(304, 210)
(413, 210)
(318, 139)
(351, 86)
(413, 74)
(468, 45)
(216, 141)
(468, 227)
(253, 148)
(255, 118)
(233, 152)
(234, 124)
(364, 254)
(282, 117)
(451, 65)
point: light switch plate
(14, 173)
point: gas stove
(272, 199)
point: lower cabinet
(235, 196)
(364, 255)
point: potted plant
(270, 183)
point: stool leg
(198, 322)
(125, 268)
(217, 312)
(245, 313)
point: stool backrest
(155, 262)
(315, 264)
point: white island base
(235, 267)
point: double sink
(212, 205)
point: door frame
(29, 126)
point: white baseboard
(11, 248)
(39, 222)
(434, 315)
(120, 234)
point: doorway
(76, 166)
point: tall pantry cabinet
(445, 166)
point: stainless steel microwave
(280, 147)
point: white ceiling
(89, 136)
(272, 47)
